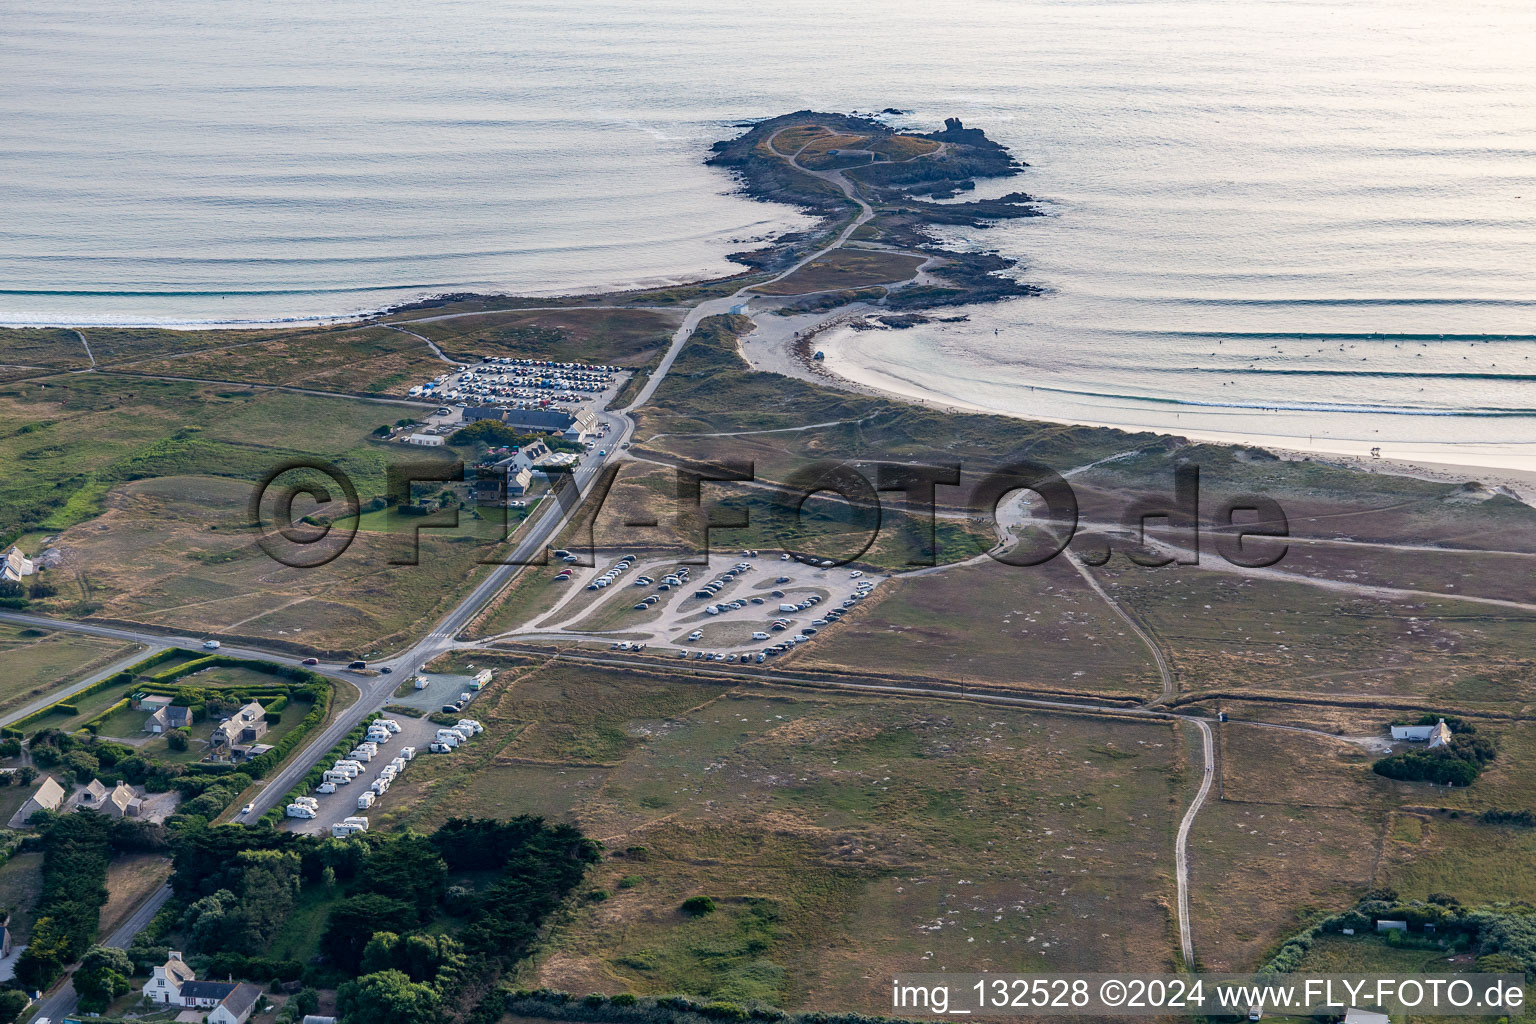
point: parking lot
(733, 609)
(440, 690)
(414, 732)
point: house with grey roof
(48, 797)
(237, 1006)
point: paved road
(59, 1003)
(90, 680)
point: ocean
(1294, 220)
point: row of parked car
(620, 567)
(781, 624)
(714, 586)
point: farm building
(1437, 735)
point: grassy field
(30, 350)
(116, 345)
(1229, 633)
(816, 143)
(175, 551)
(131, 878)
(1476, 863)
(1260, 872)
(1037, 628)
(299, 938)
(606, 337)
(1292, 832)
(826, 526)
(845, 268)
(368, 360)
(21, 883)
(840, 837)
(75, 440)
(37, 662)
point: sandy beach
(779, 345)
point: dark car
(358, 664)
(310, 661)
(449, 709)
(386, 670)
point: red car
(310, 661)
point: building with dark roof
(205, 995)
(236, 1008)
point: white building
(1366, 1017)
(237, 1007)
(165, 983)
(531, 454)
(14, 565)
(1437, 735)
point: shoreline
(787, 344)
(426, 301)
(790, 356)
(1355, 455)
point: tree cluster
(76, 849)
(237, 886)
(1458, 763)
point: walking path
(430, 343)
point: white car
(210, 645)
(247, 809)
